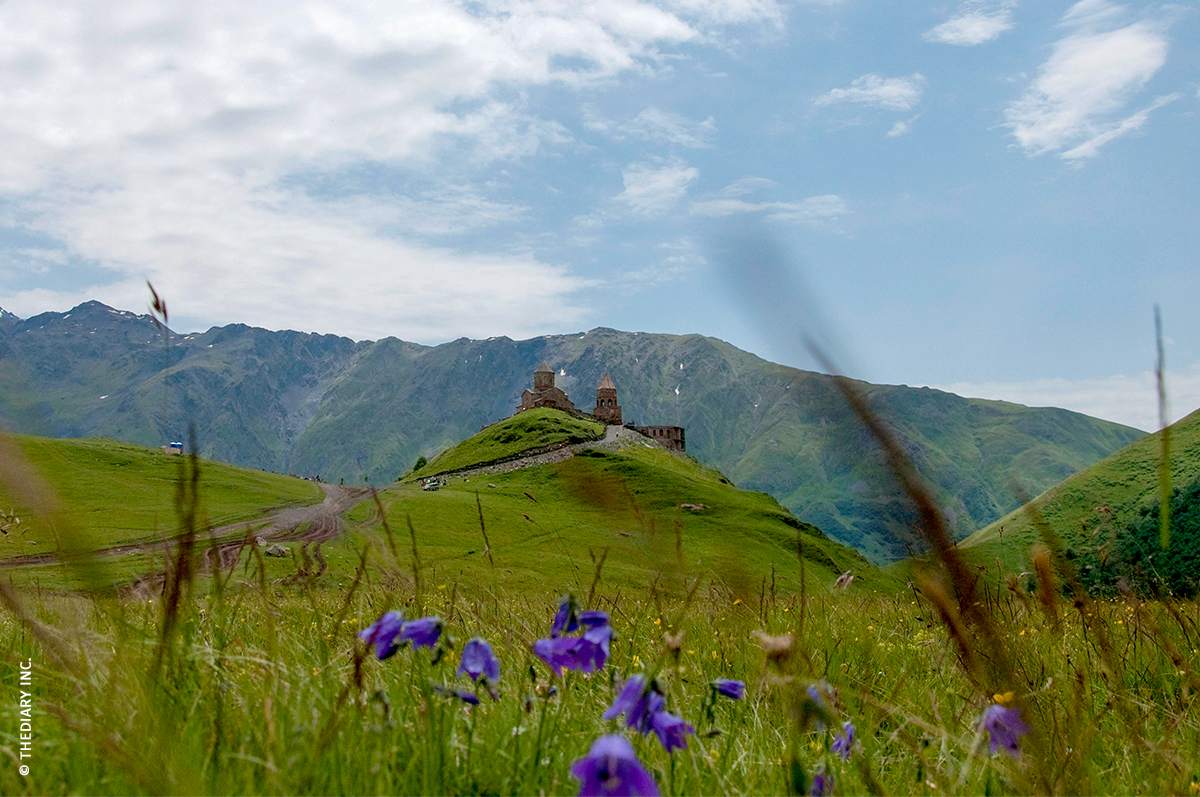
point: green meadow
(254, 680)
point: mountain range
(365, 410)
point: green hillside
(365, 411)
(658, 515)
(527, 430)
(108, 493)
(1092, 507)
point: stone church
(607, 410)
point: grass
(541, 426)
(110, 493)
(264, 689)
(256, 682)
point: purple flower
(566, 619)
(470, 698)
(479, 661)
(822, 782)
(634, 701)
(557, 652)
(671, 730)
(591, 652)
(382, 634)
(611, 769)
(593, 618)
(1004, 727)
(731, 689)
(815, 696)
(423, 633)
(843, 743)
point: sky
(984, 196)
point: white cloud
(1081, 90)
(652, 189)
(814, 211)
(1131, 400)
(893, 94)
(657, 125)
(157, 140)
(977, 22)
(902, 127)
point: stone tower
(543, 377)
(607, 408)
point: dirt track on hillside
(316, 523)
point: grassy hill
(1090, 508)
(527, 430)
(658, 515)
(108, 493)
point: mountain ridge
(330, 406)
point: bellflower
(822, 783)
(470, 698)
(382, 634)
(557, 652)
(734, 690)
(671, 730)
(1005, 728)
(423, 633)
(593, 618)
(566, 619)
(591, 650)
(634, 701)
(611, 769)
(842, 744)
(479, 661)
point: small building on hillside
(670, 437)
(544, 393)
(607, 411)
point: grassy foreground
(255, 687)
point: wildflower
(470, 698)
(670, 730)
(566, 619)
(593, 618)
(479, 661)
(731, 689)
(591, 652)
(423, 633)
(844, 580)
(588, 653)
(611, 769)
(382, 634)
(634, 702)
(822, 783)
(1004, 727)
(842, 744)
(558, 653)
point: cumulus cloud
(892, 94)
(815, 211)
(1128, 399)
(163, 141)
(1076, 103)
(977, 22)
(654, 188)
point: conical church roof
(606, 383)
(543, 366)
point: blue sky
(984, 196)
